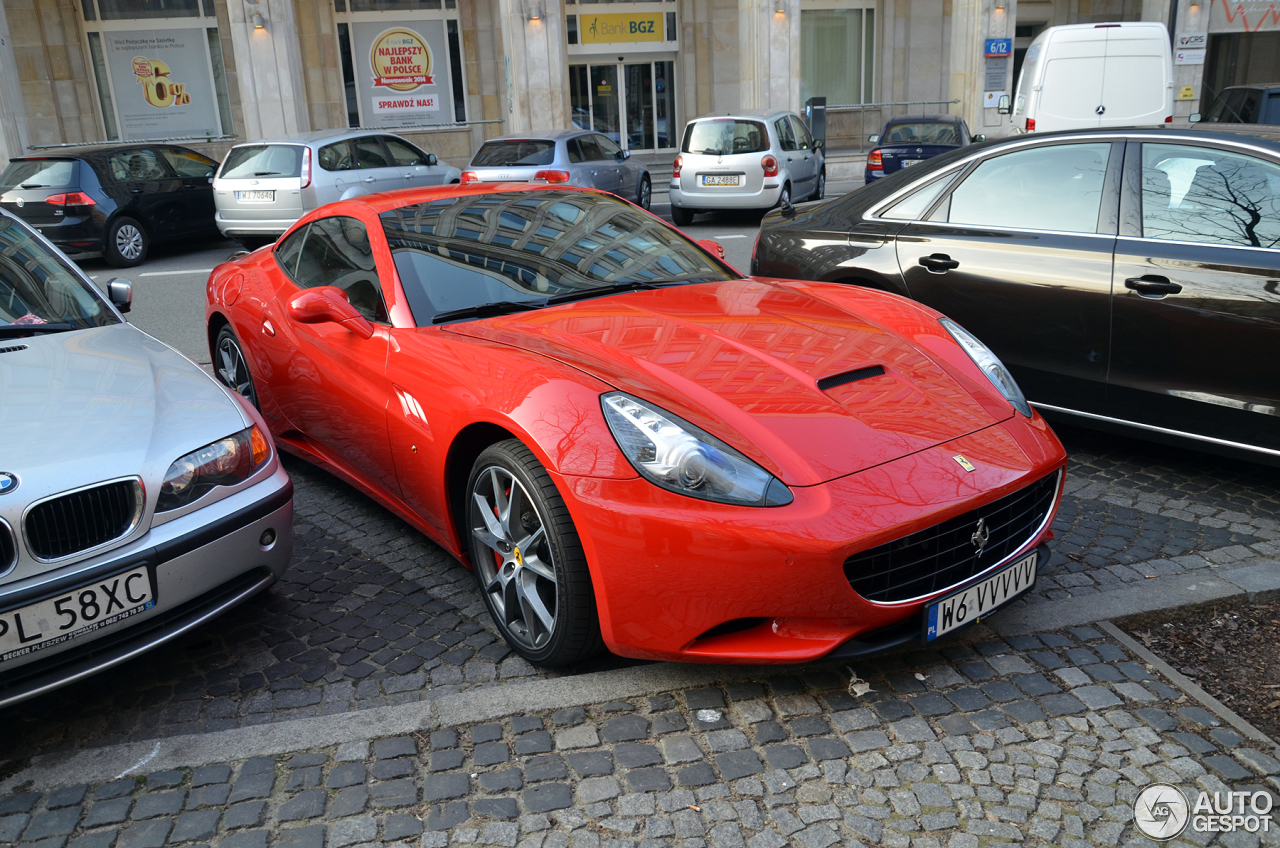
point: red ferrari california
(633, 445)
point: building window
(158, 69)
(837, 53)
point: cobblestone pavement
(1040, 740)
(371, 614)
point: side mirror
(325, 304)
(120, 291)
(713, 247)
(1194, 117)
(818, 144)
(875, 139)
(979, 137)
(431, 159)
(1003, 105)
(624, 155)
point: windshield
(720, 136)
(523, 248)
(923, 133)
(262, 160)
(39, 173)
(1234, 106)
(35, 288)
(496, 154)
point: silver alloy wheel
(129, 241)
(520, 575)
(233, 371)
(646, 194)
(784, 199)
(822, 186)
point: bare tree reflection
(1231, 199)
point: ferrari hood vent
(12, 348)
(834, 380)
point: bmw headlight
(224, 463)
(990, 365)
(676, 455)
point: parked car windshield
(36, 288)
(1234, 106)
(262, 160)
(523, 248)
(925, 133)
(39, 173)
(526, 151)
(721, 136)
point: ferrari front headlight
(990, 365)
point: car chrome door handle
(939, 263)
(368, 179)
(1152, 286)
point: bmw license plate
(76, 613)
(256, 196)
(978, 600)
(720, 179)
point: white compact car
(138, 497)
(756, 160)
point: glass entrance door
(632, 103)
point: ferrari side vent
(75, 522)
(12, 348)
(947, 554)
(828, 383)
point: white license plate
(907, 163)
(721, 179)
(256, 196)
(76, 613)
(978, 600)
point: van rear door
(1071, 88)
(1137, 77)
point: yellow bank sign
(611, 29)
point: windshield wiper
(268, 173)
(34, 185)
(9, 331)
(635, 285)
(485, 310)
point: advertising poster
(163, 84)
(402, 73)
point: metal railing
(862, 108)
(204, 138)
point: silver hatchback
(264, 186)
(755, 160)
(573, 157)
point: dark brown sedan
(1127, 278)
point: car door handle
(939, 263)
(1152, 286)
(369, 179)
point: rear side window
(136, 165)
(336, 157)
(496, 154)
(1058, 187)
(262, 160)
(188, 163)
(369, 153)
(1210, 196)
(786, 138)
(39, 173)
(721, 136)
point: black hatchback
(113, 202)
(1127, 278)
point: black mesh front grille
(82, 520)
(8, 548)
(946, 554)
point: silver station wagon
(263, 187)
(573, 157)
(755, 160)
(138, 496)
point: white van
(1096, 75)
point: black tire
(127, 243)
(681, 216)
(231, 366)
(644, 196)
(821, 190)
(547, 577)
(784, 199)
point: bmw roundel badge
(8, 482)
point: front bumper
(711, 200)
(202, 564)
(692, 581)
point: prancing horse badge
(964, 463)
